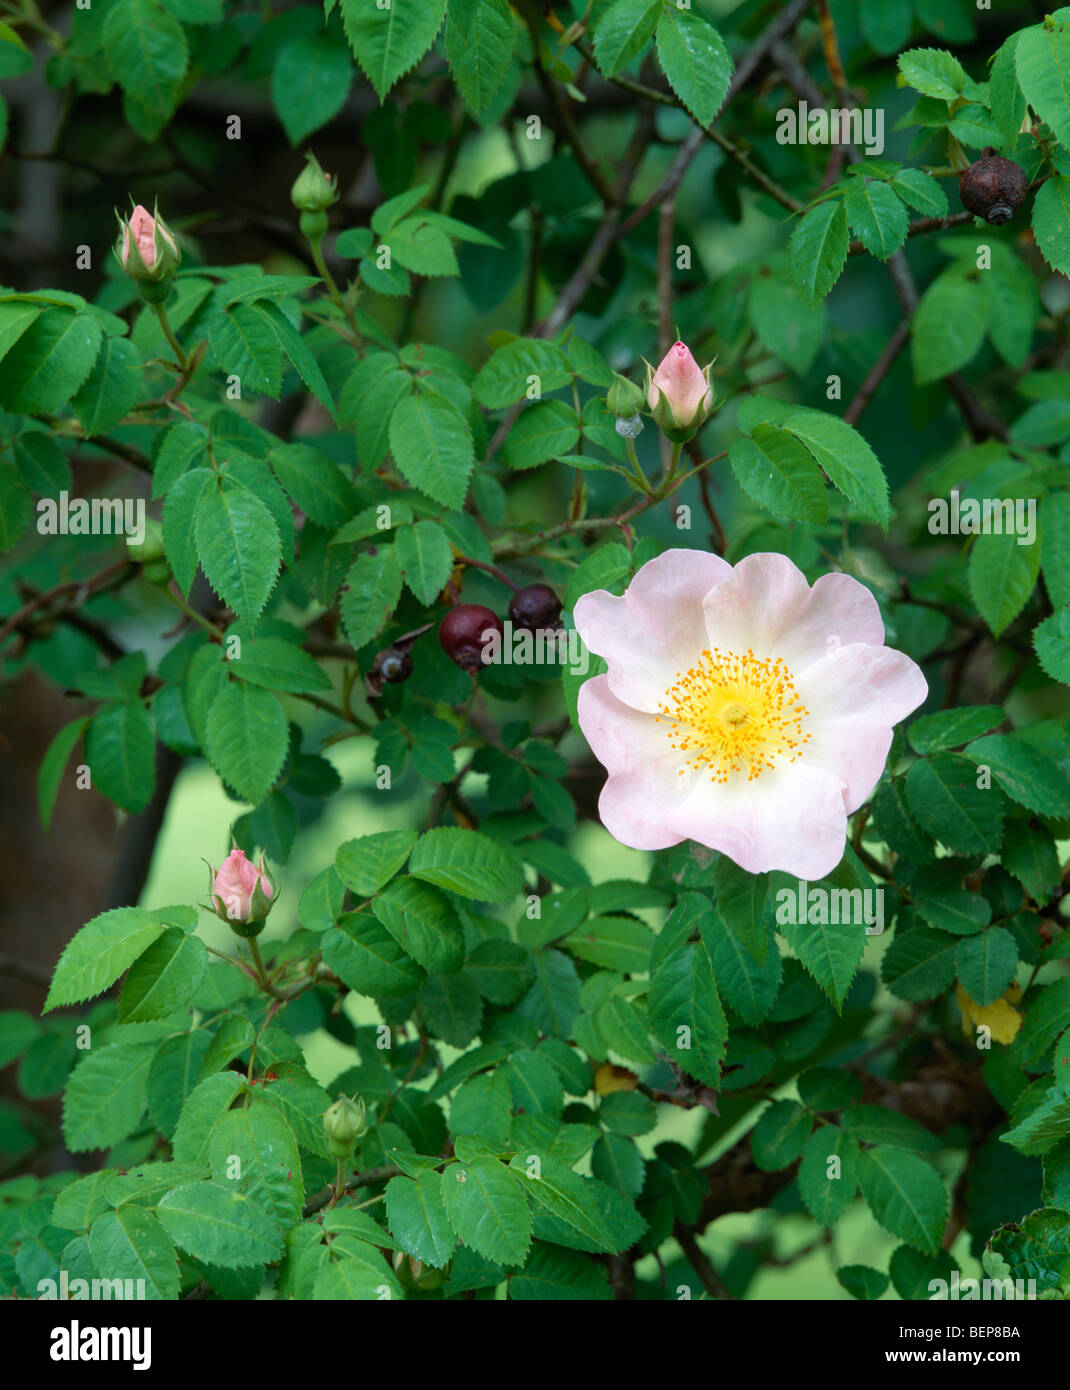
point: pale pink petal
(768, 606)
(791, 818)
(640, 670)
(837, 612)
(854, 750)
(877, 684)
(247, 873)
(143, 226)
(657, 629)
(635, 805)
(855, 695)
(620, 737)
(755, 606)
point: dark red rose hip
(535, 606)
(461, 633)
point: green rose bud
(313, 190)
(149, 549)
(624, 399)
(416, 1277)
(343, 1124)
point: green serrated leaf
(164, 977)
(220, 1225)
(100, 952)
(466, 862)
(246, 739)
(239, 548)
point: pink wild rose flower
(235, 883)
(742, 708)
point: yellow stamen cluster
(738, 714)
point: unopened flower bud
(148, 251)
(151, 555)
(242, 894)
(624, 399)
(151, 547)
(343, 1123)
(313, 190)
(679, 394)
(416, 1277)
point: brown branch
(943, 1091)
(923, 224)
(699, 1262)
(779, 29)
(877, 373)
(81, 589)
(566, 125)
(831, 46)
(368, 1178)
(28, 971)
(981, 423)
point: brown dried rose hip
(993, 188)
(395, 666)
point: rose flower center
(735, 714)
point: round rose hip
(465, 632)
(535, 606)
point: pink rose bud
(147, 248)
(679, 394)
(242, 892)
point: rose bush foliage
(434, 395)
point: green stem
(328, 279)
(192, 613)
(336, 295)
(258, 962)
(168, 333)
(640, 476)
(339, 1182)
